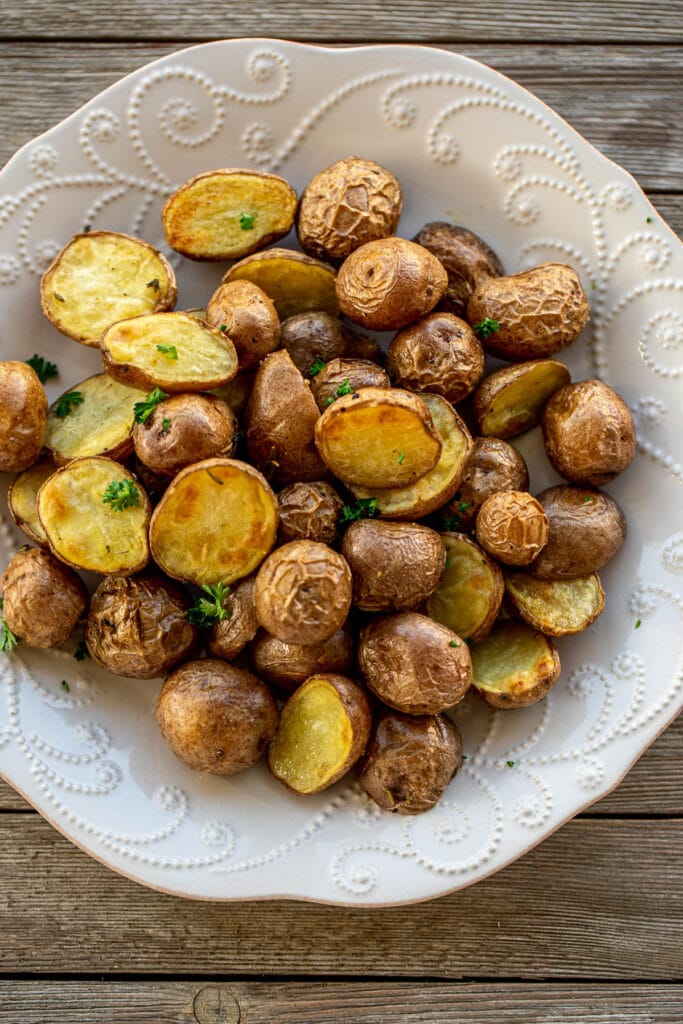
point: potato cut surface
(556, 607)
(512, 400)
(22, 498)
(471, 589)
(296, 283)
(515, 665)
(100, 425)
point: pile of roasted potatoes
(320, 546)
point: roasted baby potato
(171, 351)
(378, 438)
(538, 312)
(586, 529)
(466, 258)
(492, 466)
(100, 277)
(215, 717)
(22, 499)
(317, 337)
(23, 416)
(100, 423)
(409, 761)
(227, 213)
(43, 600)
(96, 516)
(228, 637)
(511, 400)
(303, 592)
(309, 511)
(469, 596)
(295, 282)
(512, 527)
(289, 665)
(588, 433)
(215, 523)
(414, 664)
(236, 392)
(244, 313)
(137, 625)
(395, 566)
(440, 354)
(184, 429)
(555, 607)
(387, 284)
(323, 730)
(344, 377)
(514, 666)
(349, 203)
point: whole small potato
(23, 416)
(245, 314)
(137, 627)
(493, 466)
(586, 529)
(512, 527)
(231, 635)
(588, 433)
(43, 600)
(395, 566)
(439, 354)
(467, 259)
(309, 511)
(184, 429)
(215, 717)
(409, 761)
(317, 336)
(289, 665)
(343, 377)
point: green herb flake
(316, 366)
(43, 368)
(648, 220)
(66, 402)
(469, 641)
(486, 328)
(453, 643)
(510, 764)
(344, 389)
(401, 458)
(223, 328)
(59, 298)
(8, 641)
(465, 505)
(86, 228)
(208, 610)
(247, 221)
(165, 426)
(81, 652)
(447, 563)
(588, 500)
(365, 508)
(170, 351)
(638, 624)
(593, 286)
(65, 686)
(452, 524)
(154, 283)
(121, 494)
(464, 757)
(143, 410)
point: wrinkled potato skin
(358, 373)
(540, 311)
(493, 466)
(408, 662)
(586, 529)
(202, 427)
(439, 354)
(395, 566)
(410, 761)
(512, 527)
(467, 259)
(319, 335)
(43, 599)
(345, 205)
(137, 627)
(23, 416)
(309, 511)
(226, 639)
(289, 665)
(215, 717)
(387, 284)
(588, 433)
(245, 314)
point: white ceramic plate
(470, 146)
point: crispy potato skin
(414, 664)
(215, 717)
(228, 638)
(314, 335)
(519, 691)
(184, 429)
(387, 284)
(23, 416)
(466, 258)
(540, 311)
(440, 354)
(511, 400)
(289, 665)
(245, 314)
(346, 373)
(395, 566)
(469, 596)
(588, 433)
(586, 529)
(409, 761)
(492, 466)
(303, 592)
(295, 282)
(43, 600)
(345, 205)
(21, 499)
(512, 527)
(309, 511)
(136, 625)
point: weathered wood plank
(599, 899)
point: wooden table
(585, 928)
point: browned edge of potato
(295, 282)
(514, 666)
(555, 607)
(21, 498)
(511, 400)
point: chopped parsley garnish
(638, 624)
(587, 498)
(486, 327)
(464, 757)
(464, 505)
(86, 228)
(510, 764)
(223, 328)
(344, 389)
(81, 652)
(452, 524)
(447, 563)
(121, 494)
(165, 425)
(208, 610)
(453, 643)
(8, 641)
(43, 367)
(65, 686)
(66, 402)
(401, 457)
(362, 508)
(316, 366)
(143, 410)
(247, 221)
(59, 298)
(648, 220)
(168, 350)
(154, 283)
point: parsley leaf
(81, 652)
(154, 283)
(206, 611)
(452, 524)
(247, 221)
(638, 624)
(43, 367)
(401, 457)
(464, 505)
(65, 686)
(121, 494)
(510, 764)
(344, 389)
(168, 350)
(143, 410)
(453, 643)
(365, 508)
(65, 403)
(165, 425)
(486, 327)
(316, 366)
(8, 641)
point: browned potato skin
(540, 311)
(215, 717)
(467, 259)
(303, 592)
(409, 761)
(47, 467)
(493, 466)
(439, 354)
(395, 566)
(43, 599)
(588, 433)
(154, 483)
(414, 664)
(245, 314)
(309, 511)
(512, 527)
(226, 639)
(201, 427)
(319, 335)
(345, 205)
(289, 665)
(586, 529)
(387, 284)
(23, 416)
(492, 386)
(136, 625)
(353, 373)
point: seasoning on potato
(295, 282)
(21, 499)
(469, 596)
(230, 635)
(493, 465)
(440, 354)
(184, 429)
(514, 666)
(511, 400)
(287, 666)
(467, 259)
(309, 511)
(244, 313)
(101, 423)
(512, 527)
(23, 416)
(555, 607)
(586, 529)
(42, 599)
(344, 377)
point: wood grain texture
(599, 899)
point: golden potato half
(471, 590)
(294, 282)
(100, 277)
(100, 424)
(514, 666)
(22, 499)
(556, 607)
(227, 213)
(511, 400)
(215, 523)
(96, 516)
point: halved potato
(471, 590)
(226, 213)
(556, 607)
(22, 499)
(215, 522)
(101, 424)
(324, 728)
(296, 283)
(511, 400)
(100, 277)
(514, 666)
(96, 516)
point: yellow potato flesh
(22, 497)
(468, 588)
(295, 286)
(520, 403)
(557, 607)
(512, 659)
(101, 423)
